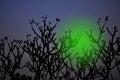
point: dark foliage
(49, 59)
(17, 76)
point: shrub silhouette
(11, 55)
(49, 59)
(17, 76)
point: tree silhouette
(50, 57)
(11, 55)
(45, 51)
(109, 52)
(107, 56)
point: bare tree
(102, 61)
(50, 57)
(108, 52)
(46, 51)
(10, 57)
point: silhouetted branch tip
(106, 18)
(57, 19)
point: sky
(15, 14)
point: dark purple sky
(15, 14)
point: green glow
(79, 27)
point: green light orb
(79, 26)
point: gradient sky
(15, 14)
